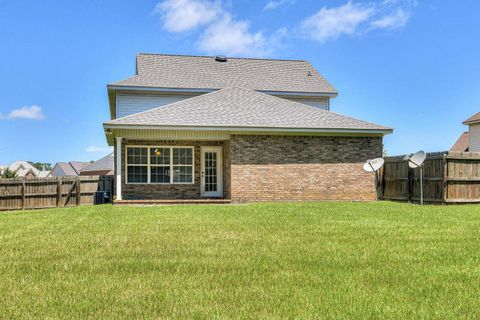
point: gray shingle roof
(78, 165)
(200, 72)
(240, 107)
(65, 169)
(103, 164)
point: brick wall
(174, 191)
(282, 168)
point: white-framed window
(159, 165)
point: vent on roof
(221, 58)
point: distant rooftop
(103, 164)
(462, 144)
(473, 119)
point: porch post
(119, 169)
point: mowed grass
(299, 260)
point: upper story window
(163, 164)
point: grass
(303, 260)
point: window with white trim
(163, 164)
(137, 168)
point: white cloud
(354, 18)
(184, 15)
(31, 113)
(274, 4)
(330, 23)
(232, 37)
(398, 19)
(97, 149)
(221, 33)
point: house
(469, 140)
(72, 168)
(45, 174)
(23, 169)
(102, 167)
(240, 129)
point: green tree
(8, 174)
(41, 165)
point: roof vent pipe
(221, 58)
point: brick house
(237, 129)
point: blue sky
(411, 65)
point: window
(182, 165)
(160, 165)
(137, 165)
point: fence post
(78, 190)
(410, 183)
(23, 195)
(59, 192)
(445, 178)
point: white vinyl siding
(130, 103)
(133, 102)
(474, 138)
(317, 102)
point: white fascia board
(250, 129)
(205, 90)
(156, 89)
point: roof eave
(382, 131)
(205, 90)
(471, 122)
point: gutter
(249, 129)
(206, 90)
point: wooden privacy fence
(40, 193)
(448, 177)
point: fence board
(448, 177)
(16, 194)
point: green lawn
(310, 260)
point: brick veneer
(174, 191)
(276, 168)
(282, 168)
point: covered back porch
(170, 167)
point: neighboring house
(191, 127)
(23, 169)
(45, 174)
(102, 167)
(469, 140)
(71, 168)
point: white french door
(211, 171)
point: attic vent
(221, 58)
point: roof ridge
(200, 56)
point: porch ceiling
(156, 134)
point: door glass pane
(210, 172)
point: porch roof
(235, 108)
